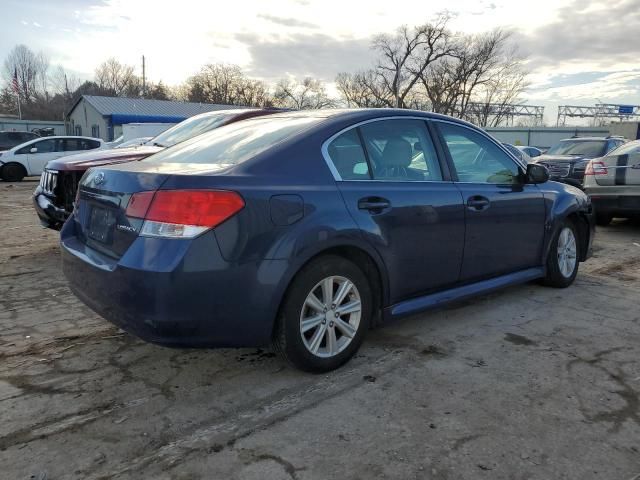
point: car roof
(34, 140)
(584, 139)
(362, 114)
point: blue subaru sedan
(304, 229)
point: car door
(40, 152)
(504, 217)
(408, 209)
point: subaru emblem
(98, 179)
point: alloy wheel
(567, 252)
(330, 316)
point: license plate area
(101, 224)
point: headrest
(396, 153)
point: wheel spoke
(344, 327)
(311, 322)
(350, 307)
(317, 338)
(322, 330)
(313, 302)
(332, 343)
(327, 290)
(342, 292)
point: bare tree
(453, 82)
(30, 70)
(308, 94)
(504, 88)
(405, 56)
(363, 90)
(227, 85)
(116, 78)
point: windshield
(235, 143)
(587, 148)
(626, 149)
(190, 128)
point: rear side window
(235, 143)
(347, 156)
(401, 150)
(392, 150)
(79, 144)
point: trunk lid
(104, 193)
(621, 170)
(100, 214)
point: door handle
(478, 202)
(374, 204)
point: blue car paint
(225, 287)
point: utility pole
(144, 79)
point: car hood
(95, 158)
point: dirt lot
(527, 383)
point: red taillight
(596, 168)
(183, 213)
(139, 204)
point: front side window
(476, 158)
(43, 146)
(400, 150)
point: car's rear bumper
(50, 216)
(191, 298)
(616, 204)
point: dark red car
(54, 196)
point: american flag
(14, 83)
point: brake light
(596, 168)
(182, 213)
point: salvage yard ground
(526, 383)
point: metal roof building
(103, 117)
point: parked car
(53, 198)
(28, 159)
(533, 152)
(568, 159)
(613, 183)
(9, 140)
(134, 142)
(304, 228)
(519, 154)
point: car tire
(563, 258)
(13, 172)
(334, 328)
(603, 219)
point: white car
(29, 158)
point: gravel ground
(526, 383)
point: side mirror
(537, 173)
(33, 150)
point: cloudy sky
(579, 51)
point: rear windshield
(590, 148)
(235, 143)
(626, 149)
(189, 128)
